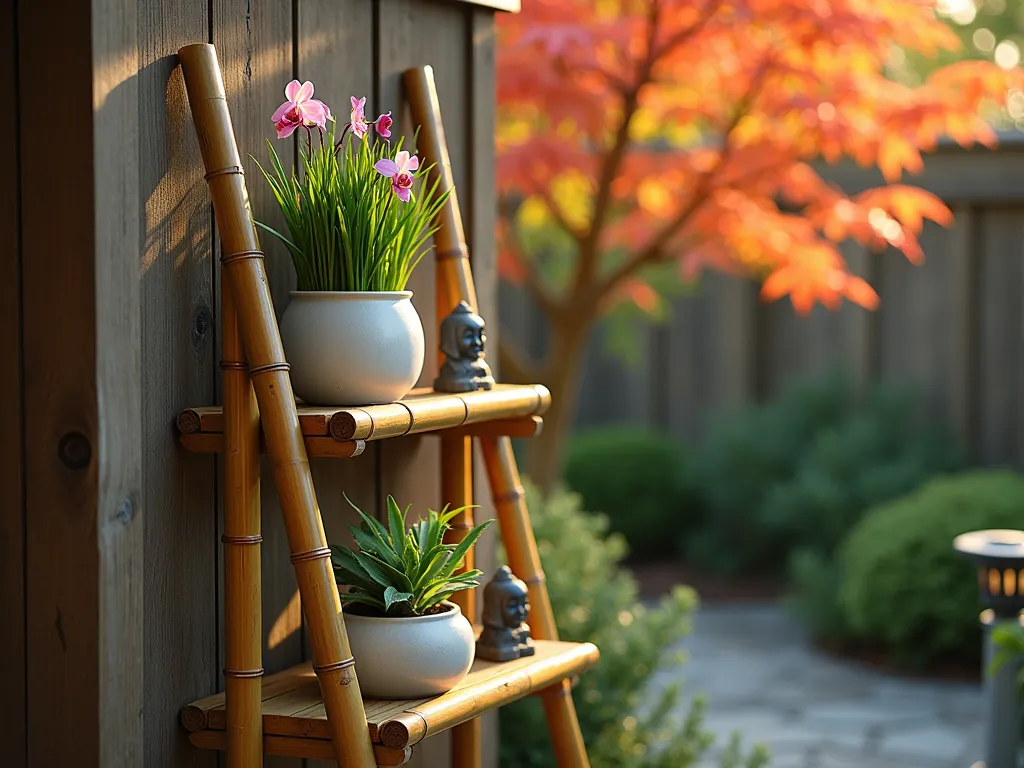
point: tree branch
(653, 251)
(590, 245)
(531, 279)
(564, 223)
(516, 364)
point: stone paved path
(762, 678)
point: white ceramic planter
(411, 658)
(352, 348)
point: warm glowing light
(984, 40)
(1009, 582)
(960, 11)
(892, 230)
(826, 111)
(877, 218)
(1015, 105)
(287, 622)
(1007, 54)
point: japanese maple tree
(636, 134)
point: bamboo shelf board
(295, 725)
(509, 409)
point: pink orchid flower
(383, 125)
(300, 109)
(400, 172)
(358, 118)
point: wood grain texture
(179, 366)
(12, 516)
(63, 621)
(117, 117)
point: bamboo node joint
(261, 369)
(243, 673)
(343, 664)
(320, 553)
(461, 251)
(241, 540)
(233, 365)
(515, 494)
(224, 171)
(231, 258)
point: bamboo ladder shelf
(315, 710)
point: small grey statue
(506, 635)
(462, 341)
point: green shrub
(798, 473)
(748, 452)
(637, 478)
(596, 601)
(903, 588)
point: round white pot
(411, 658)
(352, 348)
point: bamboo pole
(247, 280)
(457, 490)
(455, 283)
(243, 603)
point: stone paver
(762, 677)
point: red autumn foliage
(684, 131)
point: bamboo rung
(297, 746)
(213, 442)
(293, 708)
(507, 406)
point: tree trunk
(562, 370)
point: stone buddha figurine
(462, 341)
(505, 636)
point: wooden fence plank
(923, 307)
(711, 349)
(62, 448)
(794, 345)
(179, 369)
(1000, 279)
(116, 91)
(12, 517)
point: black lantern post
(999, 556)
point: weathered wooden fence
(954, 326)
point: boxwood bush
(638, 478)
(902, 587)
(624, 723)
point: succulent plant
(404, 571)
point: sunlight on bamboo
(286, 623)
